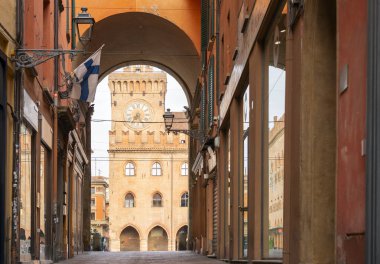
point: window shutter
(211, 91)
(203, 110)
(204, 28)
(212, 18)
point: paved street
(140, 258)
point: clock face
(138, 115)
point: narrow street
(133, 257)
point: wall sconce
(84, 18)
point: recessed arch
(137, 37)
(158, 239)
(129, 239)
(181, 238)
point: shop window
(129, 200)
(157, 200)
(44, 171)
(244, 178)
(274, 136)
(27, 158)
(185, 200)
(130, 169)
(185, 169)
(156, 169)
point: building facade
(148, 178)
(8, 44)
(47, 155)
(99, 203)
(299, 188)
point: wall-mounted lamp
(168, 120)
(84, 18)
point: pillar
(310, 137)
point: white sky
(175, 100)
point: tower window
(130, 169)
(185, 169)
(157, 200)
(185, 200)
(129, 200)
(156, 169)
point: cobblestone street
(140, 258)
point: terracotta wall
(352, 51)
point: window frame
(186, 169)
(129, 201)
(185, 199)
(154, 204)
(155, 170)
(133, 169)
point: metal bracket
(28, 58)
(295, 10)
(191, 133)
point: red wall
(352, 50)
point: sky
(175, 100)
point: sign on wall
(30, 111)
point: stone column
(310, 137)
(143, 245)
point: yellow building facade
(148, 177)
(8, 45)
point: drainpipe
(73, 33)
(55, 213)
(171, 200)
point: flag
(86, 77)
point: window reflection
(25, 192)
(274, 149)
(244, 207)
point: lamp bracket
(197, 134)
(28, 58)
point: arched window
(156, 169)
(185, 200)
(130, 169)
(157, 200)
(129, 200)
(185, 169)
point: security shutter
(215, 217)
(203, 110)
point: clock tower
(148, 168)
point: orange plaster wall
(183, 13)
(100, 207)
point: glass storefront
(274, 136)
(42, 195)
(26, 158)
(244, 183)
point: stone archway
(143, 38)
(181, 239)
(129, 239)
(158, 239)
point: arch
(129, 200)
(181, 238)
(129, 239)
(155, 40)
(158, 239)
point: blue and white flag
(86, 78)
